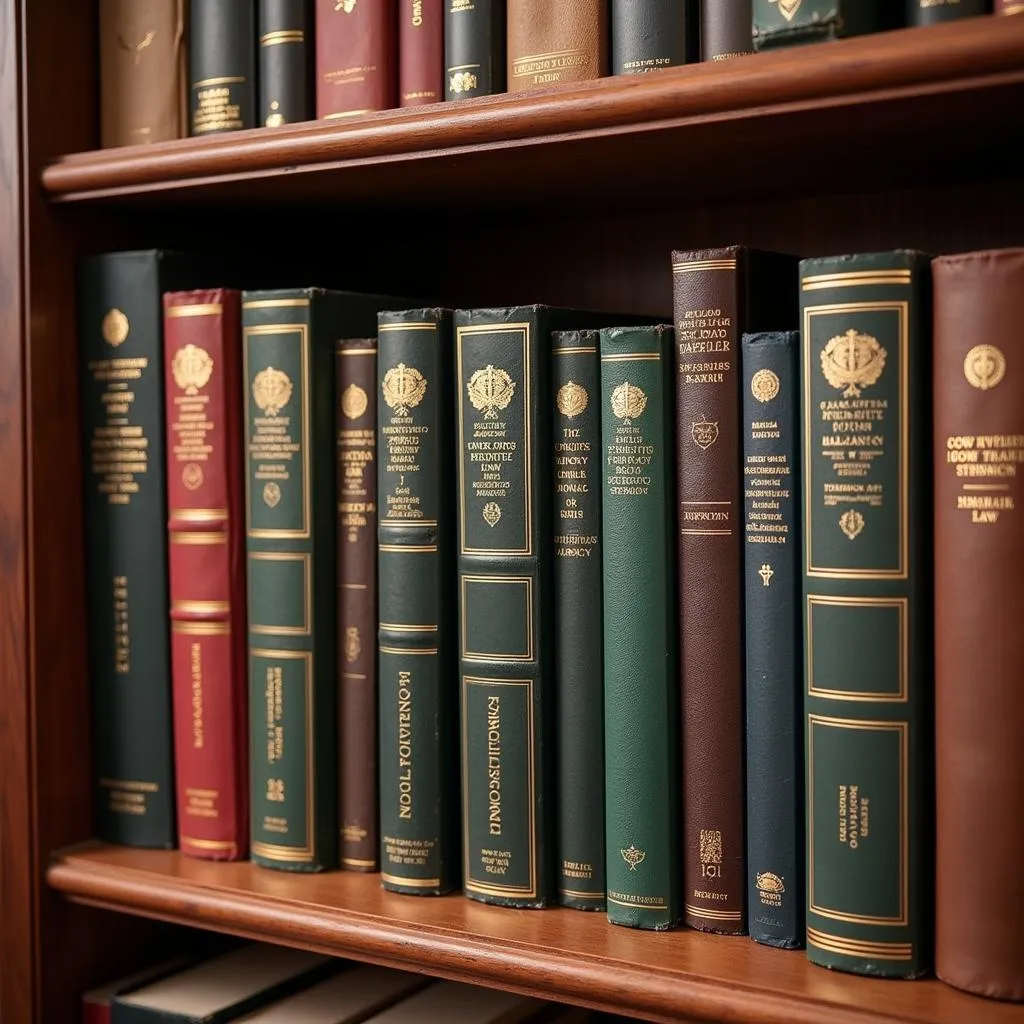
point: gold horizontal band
(289, 35)
(202, 628)
(198, 515)
(275, 304)
(203, 537)
(187, 607)
(693, 266)
(411, 883)
(194, 309)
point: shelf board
(873, 111)
(566, 955)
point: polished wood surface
(559, 954)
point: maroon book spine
(420, 52)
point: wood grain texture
(556, 954)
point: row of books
(268, 63)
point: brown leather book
(357, 603)
(356, 52)
(555, 41)
(142, 71)
(420, 52)
(979, 643)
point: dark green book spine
(792, 22)
(120, 318)
(641, 706)
(419, 700)
(930, 12)
(867, 610)
(579, 698)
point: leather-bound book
(927, 12)
(356, 57)
(474, 48)
(725, 28)
(649, 34)
(866, 328)
(142, 71)
(205, 461)
(285, 72)
(641, 693)
(551, 42)
(420, 52)
(222, 66)
(790, 22)
(978, 374)
(356, 369)
(719, 295)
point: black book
(649, 34)
(222, 66)
(285, 80)
(474, 48)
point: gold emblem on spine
(115, 327)
(348, 6)
(572, 399)
(275, 118)
(628, 402)
(403, 388)
(787, 8)
(490, 389)
(984, 367)
(354, 401)
(764, 385)
(704, 432)
(271, 390)
(768, 881)
(462, 81)
(766, 572)
(491, 513)
(632, 856)
(192, 368)
(851, 522)
(271, 494)
(137, 49)
(352, 643)
(710, 846)
(192, 476)
(852, 361)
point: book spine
(222, 66)
(556, 41)
(647, 35)
(725, 28)
(774, 639)
(284, 79)
(420, 52)
(504, 594)
(419, 801)
(789, 22)
(356, 56)
(289, 478)
(203, 386)
(356, 369)
(928, 12)
(579, 710)
(120, 331)
(640, 687)
(142, 71)
(867, 642)
(978, 375)
(474, 48)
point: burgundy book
(356, 51)
(420, 52)
(203, 393)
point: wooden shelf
(875, 111)
(556, 954)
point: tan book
(556, 41)
(454, 1003)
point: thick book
(285, 62)
(770, 363)
(421, 61)
(121, 353)
(205, 491)
(551, 42)
(928, 12)
(978, 395)
(641, 705)
(418, 659)
(467, 1004)
(142, 55)
(725, 27)
(97, 1001)
(649, 34)
(356, 57)
(474, 48)
(719, 295)
(579, 693)
(866, 329)
(792, 22)
(356, 422)
(222, 66)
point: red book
(356, 50)
(209, 639)
(420, 52)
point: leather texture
(222, 45)
(640, 687)
(719, 295)
(551, 42)
(774, 639)
(474, 48)
(779, 23)
(979, 558)
(356, 57)
(725, 29)
(866, 325)
(205, 517)
(142, 71)
(420, 52)
(648, 34)
(286, 50)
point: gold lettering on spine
(119, 449)
(122, 635)
(405, 805)
(275, 713)
(494, 765)
(196, 666)
(986, 466)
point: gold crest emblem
(490, 389)
(271, 390)
(851, 522)
(271, 493)
(572, 399)
(704, 432)
(352, 643)
(192, 367)
(192, 476)
(984, 367)
(403, 388)
(491, 513)
(354, 401)
(852, 361)
(348, 6)
(628, 402)
(764, 385)
(768, 881)
(275, 118)
(632, 856)
(115, 327)
(787, 8)
(766, 572)
(462, 81)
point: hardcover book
(649, 34)
(420, 52)
(790, 22)
(550, 43)
(474, 48)
(222, 66)
(286, 48)
(725, 27)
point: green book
(867, 610)
(641, 712)
(792, 22)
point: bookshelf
(574, 196)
